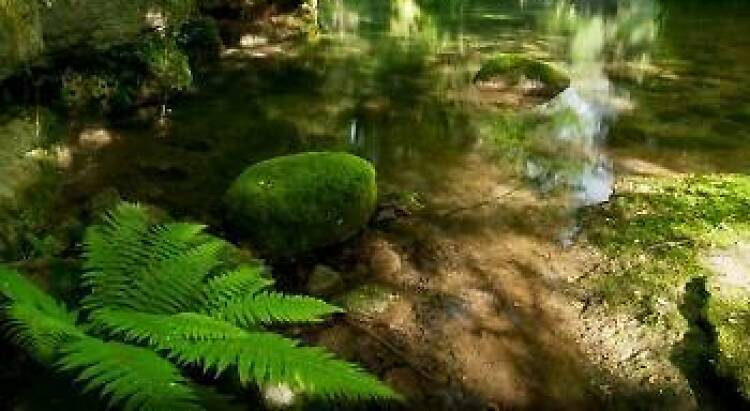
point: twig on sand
(480, 204)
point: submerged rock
(384, 262)
(524, 74)
(293, 204)
(367, 299)
(324, 281)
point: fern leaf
(132, 264)
(175, 285)
(243, 281)
(153, 328)
(111, 250)
(273, 307)
(267, 358)
(260, 356)
(132, 377)
(34, 320)
(14, 287)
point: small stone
(384, 262)
(95, 137)
(324, 281)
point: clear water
(391, 81)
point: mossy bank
(656, 235)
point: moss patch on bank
(655, 234)
(653, 231)
(729, 314)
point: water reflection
(601, 34)
(392, 81)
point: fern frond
(264, 357)
(15, 287)
(111, 250)
(131, 264)
(154, 328)
(267, 358)
(245, 280)
(133, 377)
(33, 319)
(40, 334)
(175, 285)
(273, 307)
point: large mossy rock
(293, 204)
(513, 70)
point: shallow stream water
(657, 88)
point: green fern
(166, 289)
(135, 377)
(261, 356)
(33, 318)
(245, 280)
(272, 307)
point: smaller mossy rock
(514, 69)
(293, 204)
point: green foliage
(167, 287)
(134, 377)
(167, 63)
(296, 203)
(270, 307)
(34, 319)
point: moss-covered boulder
(515, 70)
(293, 204)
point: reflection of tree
(693, 97)
(71, 25)
(601, 34)
(20, 34)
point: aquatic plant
(161, 292)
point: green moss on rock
(515, 68)
(293, 204)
